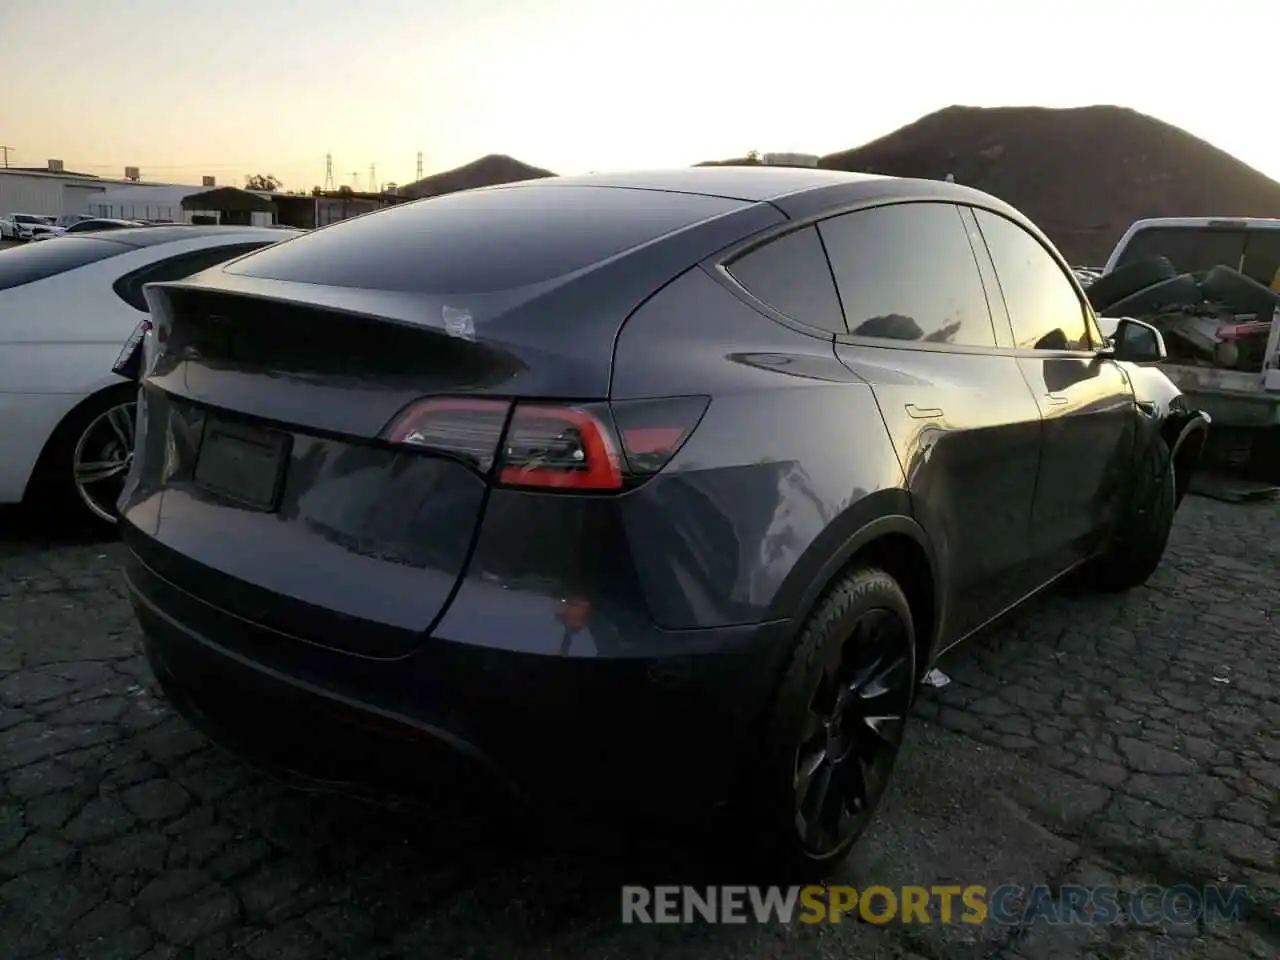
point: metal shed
(229, 205)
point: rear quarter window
(791, 274)
(482, 241)
(38, 261)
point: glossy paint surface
(969, 436)
(520, 625)
(361, 553)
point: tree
(753, 156)
(262, 181)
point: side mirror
(1135, 341)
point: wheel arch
(1185, 433)
(42, 464)
(879, 530)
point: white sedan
(66, 308)
(23, 226)
(82, 225)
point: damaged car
(638, 494)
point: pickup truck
(1211, 285)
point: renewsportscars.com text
(974, 904)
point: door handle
(923, 413)
(1056, 399)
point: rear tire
(1143, 533)
(82, 470)
(835, 728)
(1243, 294)
(1181, 291)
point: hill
(486, 172)
(1084, 175)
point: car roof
(751, 184)
(756, 184)
(172, 233)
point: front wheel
(836, 725)
(1140, 539)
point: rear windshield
(1191, 249)
(36, 261)
(482, 241)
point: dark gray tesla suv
(640, 493)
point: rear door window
(907, 272)
(791, 274)
(37, 261)
(1190, 249)
(481, 241)
(129, 287)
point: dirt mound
(1084, 175)
(486, 172)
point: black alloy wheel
(852, 732)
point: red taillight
(550, 446)
(653, 430)
(560, 448)
(467, 429)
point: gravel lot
(1127, 740)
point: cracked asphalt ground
(1126, 740)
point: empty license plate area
(242, 463)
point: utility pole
(5, 150)
(328, 171)
(419, 176)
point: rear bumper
(635, 734)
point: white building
(142, 202)
(54, 192)
(165, 202)
(47, 192)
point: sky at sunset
(228, 87)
